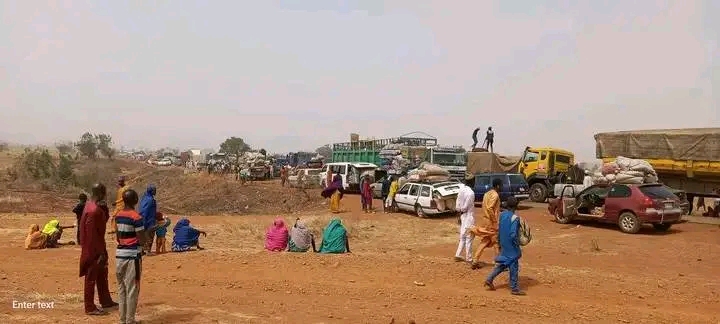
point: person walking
(93, 255)
(487, 232)
(510, 251)
(385, 192)
(465, 204)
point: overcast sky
(290, 75)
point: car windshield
(449, 159)
(657, 192)
(516, 179)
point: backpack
(524, 234)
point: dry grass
(7, 199)
(57, 298)
(594, 245)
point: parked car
(310, 178)
(628, 206)
(426, 199)
(164, 162)
(514, 185)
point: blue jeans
(514, 269)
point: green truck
(416, 147)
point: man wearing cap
(119, 204)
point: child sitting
(160, 232)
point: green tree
(88, 145)
(65, 148)
(65, 169)
(236, 146)
(104, 145)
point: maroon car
(628, 206)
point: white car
(164, 162)
(426, 199)
(310, 178)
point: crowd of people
(136, 223)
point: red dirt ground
(573, 274)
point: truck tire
(629, 223)
(538, 192)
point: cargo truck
(414, 148)
(685, 159)
(542, 168)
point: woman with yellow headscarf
(35, 239)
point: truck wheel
(629, 223)
(538, 193)
(419, 211)
(662, 227)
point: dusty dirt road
(573, 274)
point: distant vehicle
(310, 178)
(164, 162)
(351, 173)
(427, 199)
(628, 206)
(514, 185)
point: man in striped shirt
(131, 237)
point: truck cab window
(543, 156)
(531, 157)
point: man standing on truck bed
(489, 139)
(474, 137)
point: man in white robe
(465, 205)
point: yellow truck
(542, 168)
(686, 159)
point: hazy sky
(290, 75)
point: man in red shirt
(94, 256)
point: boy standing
(130, 234)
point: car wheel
(560, 218)
(629, 223)
(419, 211)
(538, 193)
(662, 227)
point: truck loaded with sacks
(542, 168)
(685, 159)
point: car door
(412, 196)
(618, 194)
(401, 197)
(482, 185)
(424, 196)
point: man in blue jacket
(148, 211)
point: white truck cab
(351, 173)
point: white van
(351, 173)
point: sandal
(96, 312)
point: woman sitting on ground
(186, 237)
(276, 236)
(54, 231)
(35, 240)
(335, 239)
(301, 239)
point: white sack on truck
(626, 171)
